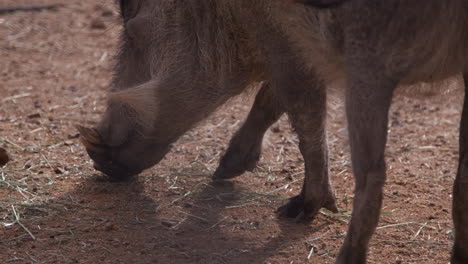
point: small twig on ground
(22, 192)
(412, 242)
(46, 160)
(194, 216)
(336, 218)
(17, 219)
(14, 144)
(318, 237)
(14, 97)
(283, 187)
(394, 225)
(217, 223)
(339, 235)
(94, 226)
(178, 224)
(15, 259)
(240, 205)
(33, 260)
(311, 252)
(419, 231)
(181, 197)
(11, 9)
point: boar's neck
(182, 105)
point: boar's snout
(100, 153)
(115, 171)
(121, 162)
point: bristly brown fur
(181, 59)
(223, 38)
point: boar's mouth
(100, 153)
(115, 170)
(112, 168)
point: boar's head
(177, 63)
(124, 142)
(121, 145)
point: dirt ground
(55, 66)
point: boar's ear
(90, 139)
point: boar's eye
(129, 8)
(135, 28)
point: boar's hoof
(235, 163)
(222, 173)
(295, 208)
(303, 211)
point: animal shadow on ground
(95, 221)
(262, 235)
(139, 222)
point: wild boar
(180, 60)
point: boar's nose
(115, 171)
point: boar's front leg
(460, 191)
(304, 98)
(245, 147)
(307, 112)
(368, 99)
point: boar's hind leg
(460, 191)
(245, 147)
(304, 99)
(368, 99)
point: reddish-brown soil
(55, 66)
